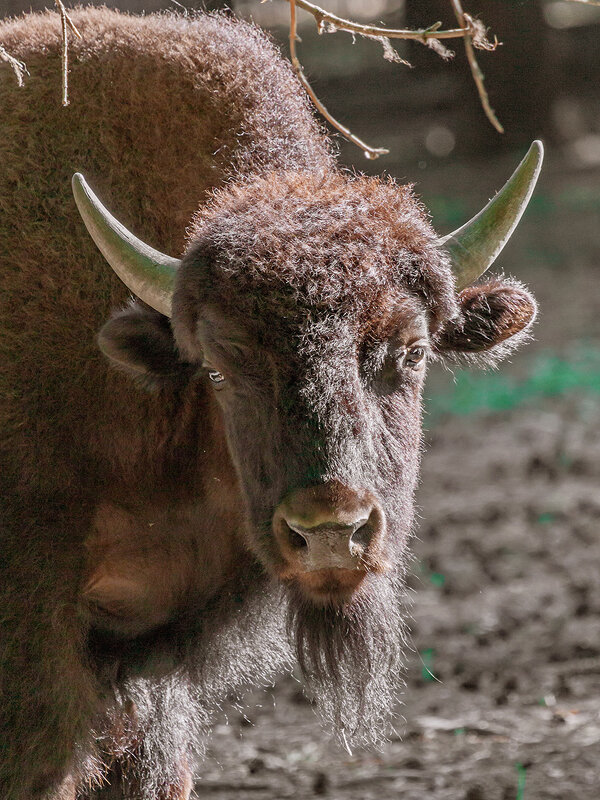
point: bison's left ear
(495, 318)
(139, 341)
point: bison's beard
(351, 657)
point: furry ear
(139, 341)
(494, 318)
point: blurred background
(503, 667)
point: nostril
(297, 541)
(362, 536)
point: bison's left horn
(474, 247)
(149, 274)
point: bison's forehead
(307, 240)
(310, 335)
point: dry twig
(18, 67)
(472, 31)
(329, 23)
(66, 23)
(467, 23)
(370, 152)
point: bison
(214, 477)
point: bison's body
(138, 553)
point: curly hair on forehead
(323, 238)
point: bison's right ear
(495, 318)
(139, 341)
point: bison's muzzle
(330, 537)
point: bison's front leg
(141, 754)
(47, 691)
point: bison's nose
(330, 544)
(328, 527)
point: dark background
(503, 668)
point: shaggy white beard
(351, 657)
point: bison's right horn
(474, 247)
(149, 274)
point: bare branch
(18, 67)
(66, 23)
(471, 30)
(329, 23)
(370, 152)
(467, 23)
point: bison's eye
(414, 357)
(216, 376)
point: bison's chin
(350, 655)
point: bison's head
(313, 303)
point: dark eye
(216, 376)
(414, 357)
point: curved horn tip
(474, 246)
(538, 145)
(146, 272)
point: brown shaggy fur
(137, 579)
